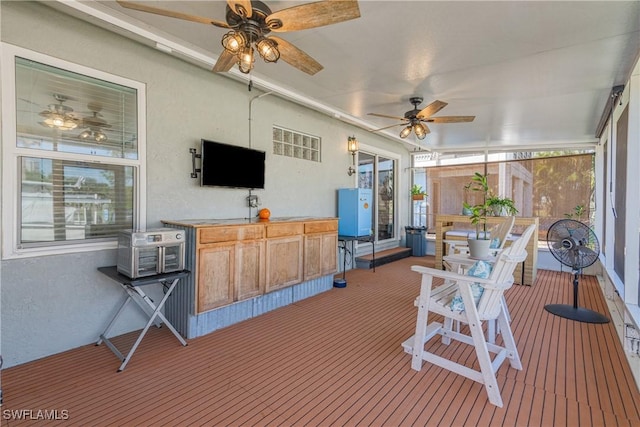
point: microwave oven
(146, 253)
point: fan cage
(573, 243)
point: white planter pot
(499, 211)
(479, 248)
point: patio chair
(458, 260)
(482, 300)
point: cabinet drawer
(285, 229)
(230, 234)
(321, 226)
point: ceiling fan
(95, 124)
(59, 116)
(415, 119)
(250, 21)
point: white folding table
(133, 288)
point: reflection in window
(378, 173)
(386, 205)
(73, 149)
(58, 110)
(67, 200)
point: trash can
(416, 240)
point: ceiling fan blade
(296, 57)
(450, 119)
(241, 7)
(90, 122)
(312, 15)
(387, 116)
(225, 61)
(387, 127)
(171, 13)
(431, 109)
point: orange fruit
(264, 213)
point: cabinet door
(312, 256)
(250, 269)
(329, 254)
(284, 262)
(215, 275)
(320, 251)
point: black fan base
(576, 313)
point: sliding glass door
(378, 173)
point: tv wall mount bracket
(194, 155)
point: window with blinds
(75, 153)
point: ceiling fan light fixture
(405, 132)
(249, 20)
(94, 135)
(246, 59)
(100, 137)
(58, 116)
(419, 130)
(57, 121)
(268, 49)
(234, 41)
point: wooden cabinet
(216, 275)
(320, 249)
(229, 272)
(230, 264)
(233, 262)
(249, 269)
(284, 262)
(329, 254)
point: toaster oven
(145, 253)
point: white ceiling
(533, 73)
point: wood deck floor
(336, 359)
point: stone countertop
(208, 222)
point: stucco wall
(51, 304)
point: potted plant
(479, 244)
(502, 206)
(417, 193)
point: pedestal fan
(574, 244)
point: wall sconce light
(352, 146)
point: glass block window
(291, 143)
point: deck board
(336, 359)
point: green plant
(577, 213)
(479, 211)
(417, 190)
(502, 205)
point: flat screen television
(226, 165)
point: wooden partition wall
(524, 274)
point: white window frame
(11, 154)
